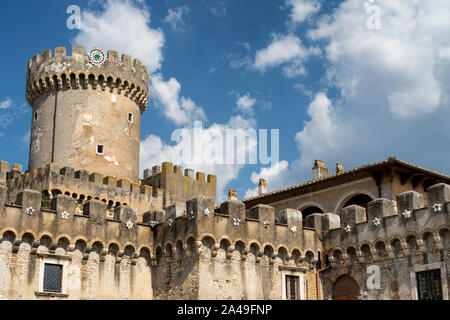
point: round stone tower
(87, 111)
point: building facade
(80, 224)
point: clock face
(97, 57)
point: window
(52, 277)
(429, 285)
(130, 117)
(35, 116)
(292, 288)
(100, 149)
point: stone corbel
(259, 256)
(230, 251)
(244, 254)
(421, 245)
(360, 256)
(390, 252)
(438, 241)
(346, 259)
(215, 249)
(405, 248)
(198, 247)
(187, 251)
(374, 253)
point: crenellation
(200, 176)
(189, 173)
(4, 168)
(353, 215)
(110, 182)
(82, 203)
(438, 194)
(96, 179)
(380, 208)
(409, 201)
(44, 73)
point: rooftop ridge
(329, 177)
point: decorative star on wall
(192, 215)
(294, 229)
(236, 221)
(65, 215)
(348, 228)
(407, 214)
(169, 222)
(153, 223)
(206, 212)
(376, 222)
(30, 211)
(437, 207)
(129, 225)
(266, 223)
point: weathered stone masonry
(82, 209)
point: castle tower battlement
(86, 116)
(180, 185)
(388, 229)
(46, 72)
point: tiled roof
(363, 167)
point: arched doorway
(345, 288)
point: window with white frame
(52, 277)
(293, 285)
(100, 149)
(53, 273)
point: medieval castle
(80, 224)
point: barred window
(52, 277)
(292, 288)
(429, 285)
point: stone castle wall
(401, 237)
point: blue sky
(338, 86)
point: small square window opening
(130, 117)
(100, 149)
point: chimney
(339, 168)
(232, 195)
(319, 170)
(262, 187)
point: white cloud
(10, 111)
(276, 177)
(166, 94)
(217, 8)
(26, 138)
(400, 59)
(154, 151)
(175, 18)
(5, 104)
(245, 104)
(393, 88)
(302, 9)
(123, 26)
(321, 133)
(287, 50)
